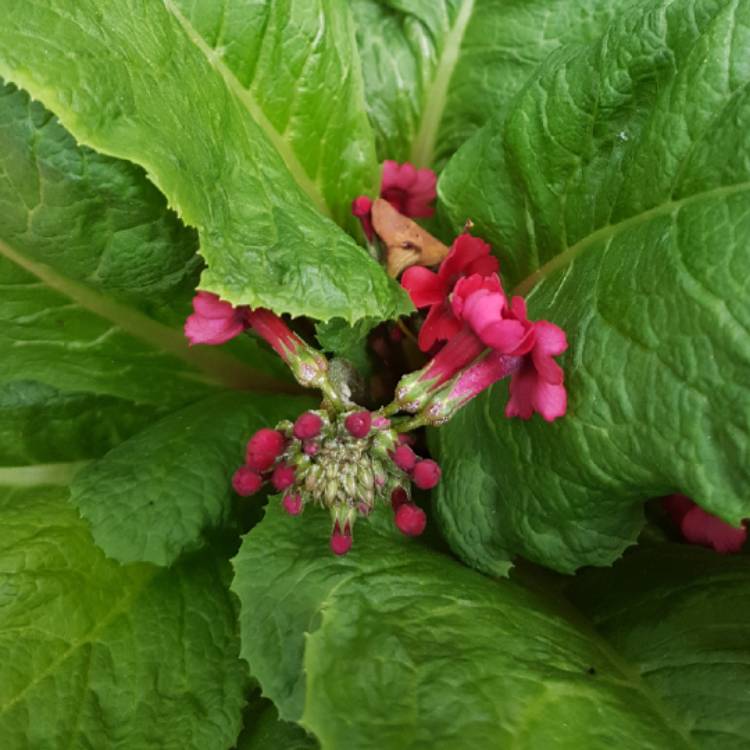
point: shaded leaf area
(157, 495)
(644, 267)
(115, 74)
(97, 655)
(265, 731)
(435, 72)
(41, 424)
(349, 342)
(396, 646)
(298, 64)
(96, 275)
(680, 615)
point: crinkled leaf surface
(96, 276)
(41, 424)
(156, 495)
(681, 615)
(101, 656)
(436, 70)
(617, 188)
(298, 64)
(396, 646)
(137, 80)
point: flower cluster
(699, 527)
(346, 464)
(468, 308)
(408, 189)
(349, 460)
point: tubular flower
(214, 321)
(468, 255)
(699, 527)
(351, 469)
(408, 189)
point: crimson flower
(214, 321)
(468, 255)
(536, 385)
(408, 189)
(699, 527)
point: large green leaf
(137, 81)
(96, 275)
(396, 646)
(617, 188)
(41, 424)
(681, 615)
(156, 495)
(298, 64)
(436, 70)
(94, 655)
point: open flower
(468, 256)
(214, 321)
(700, 527)
(408, 189)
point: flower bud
(307, 425)
(426, 474)
(358, 424)
(410, 519)
(292, 504)
(398, 498)
(282, 477)
(246, 482)
(404, 457)
(341, 542)
(264, 448)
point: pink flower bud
(307, 425)
(426, 474)
(404, 457)
(292, 504)
(282, 477)
(246, 482)
(264, 448)
(358, 424)
(310, 447)
(410, 519)
(341, 543)
(398, 498)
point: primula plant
(374, 374)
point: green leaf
(40, 424)
(681, 615)
(156, 495)
(436, 70)
(297, 64)
(264, 731)
(96, 274)
(101, 656)
(349, 342)
(396, 646)
(616, 189)
(169, 103)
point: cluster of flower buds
(347, 462)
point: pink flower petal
(424, 287)
(201, 330)
(699, 527)
(551, 401)
(439, 325)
